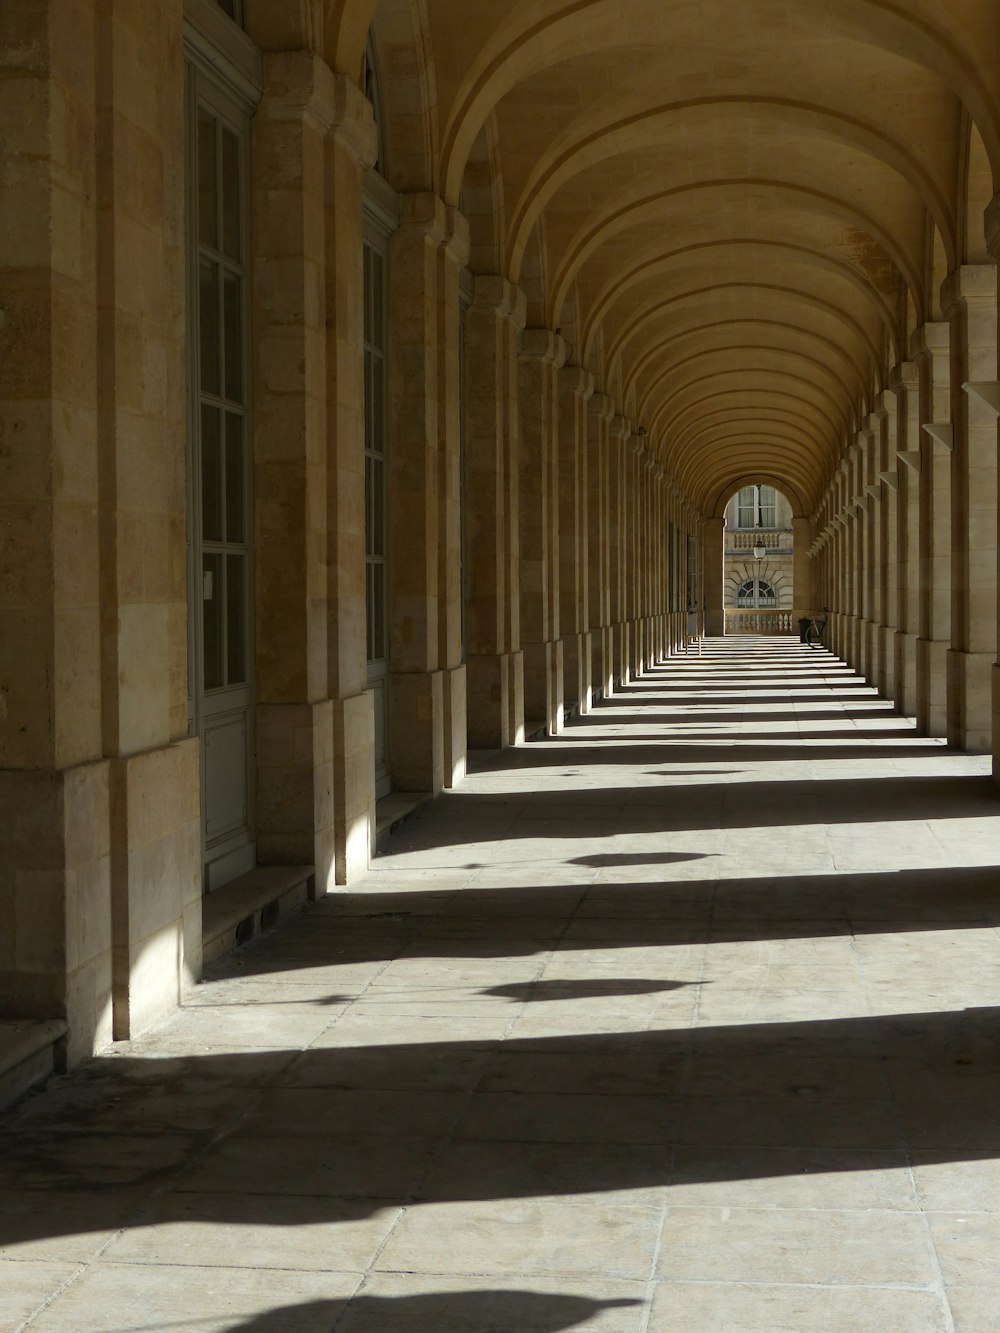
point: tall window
(756, 507)
(222, 400)
(375, 477)
(220, 502)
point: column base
(544, 705)
(353, 788)
(416, 730)
(970, 701)
(905, 697)
(932, 687)
(295, 809)
(491, 708)
(456, 726)
(887, 662)
(576, 673)
(602, 660)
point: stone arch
(482, 201)
(976, 192)
(401, 34)
(534, 278)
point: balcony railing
(744, 539)
(752, 621)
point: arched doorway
(758, 562)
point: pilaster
(542, 354)
(494, 567)
(575, 387)
(969, 300)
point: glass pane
(368, 505)
(211, 600)
(234, 337)
(369, 607)
(211, 479)
(378, 507)
(236, 655)
(378, 611)
(368, 399)
(208, 325)
(234, 478)
(368, 293)
(206, 178)
(231, 222)
(378, 405)
(378, 276)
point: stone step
(30, 1051)
(252, 903)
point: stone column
(633, 511)
(969, 300)
(993, 244)
(349, 147)
(494, 570)
(294, 716)
(872, 492)
(713, 592)
(887, 480)
(930, 349)
(99, 783)
(618, 432)
(600, 410)
(575, 387)
(425, 255)
(904, 383)
(542, 355)
(802, 570)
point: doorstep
(252, 903)
(31, 1050)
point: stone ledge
(252, 903)
(30, 1050)
(393, 810)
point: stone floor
(683, 1021)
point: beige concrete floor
(683, 1021)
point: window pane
(370, 609)
(231, 222)
(378, 273)
(206, 178)
(236, 619)
(211, 482)
(234, 337)
(368, 293)
(211, 595)
(208, 325)
(234, 478)
(378, 405)
(378, 513)
(378, 611)
(368, 505)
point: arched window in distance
(756, 593)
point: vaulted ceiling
(736, 213)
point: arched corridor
(684, 1018)
(411, 414)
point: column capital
(300, 85)
(636, 443)
(903, 376)
(932, 337)
(543, 345)
(492, 292)
(601, 406)
(970, 283)
(619, 428)
(574, 379)
(442, 224)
